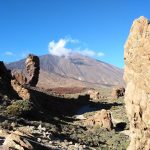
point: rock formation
(32, 69)
(31, 76)
(20, 77)
(137, 78)
(10, 85)
(100, 119)
(94, 95)
(21, 91)
(5, 76)
(15, 141)
(118, 92)
(5, 82)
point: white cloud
(99, 54)
(91, 53)
(87, 52)
(8, 53)
(60, 48)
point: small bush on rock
(20, 108)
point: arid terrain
(67, 118)
(74, 75)
(48, 129)
(78, 115)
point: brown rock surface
(20, 77)
(10, 86)
(22, 91)
(137, 78)
(32, 69)
(94, 95)
(118, 92)
(14, 140)
(5, 82)
(102, 119)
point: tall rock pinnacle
(137, 78)
(32, 66)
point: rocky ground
(49, 130)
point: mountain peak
(74, 70)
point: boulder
(15, 140)
(32, 69)
(94, 95)
(137, 78)
(100, 119)
(117, 92)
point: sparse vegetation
(20, 108)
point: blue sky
(97, 28)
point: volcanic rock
(21, 91)
(137, 78)
(20, 77)
(32, 69)
(94, 95)
(14, 140)
(5, 82)
(100, 119)
(5, 76)
(118, 92)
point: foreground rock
(14, 140)
(32, 69)
(137, 77)
(5, 82)
(100, 119)
(4, 74)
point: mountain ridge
(74, 70)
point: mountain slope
(75, 70)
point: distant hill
(74, 70)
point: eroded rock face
(20, 77)
(32, 69)
(21, 91)
(100, 119)
(137, 78)
(5, 82)
(10, 85)
(118, 92)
